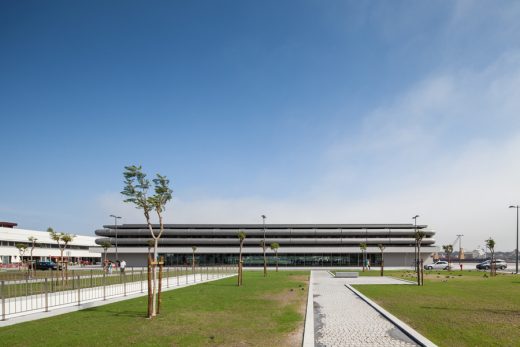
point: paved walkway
(342, 319)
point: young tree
(151, 243)
(22, 247)
(419, 235)
(33, 242)
(274, 247)
(448, 249)
(490, 243)
(382, 248)
(193, 248)
(63, 240)
(136, 190)
(241, 237)
(105, 245)
(363, 248)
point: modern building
(315, 245)
(46, 248)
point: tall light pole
(115, 222)
(416, 255)
(263, 246)
(517, 207)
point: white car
(439, 265)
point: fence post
(207, 272)
(79, 289)
(167, 277)
(124, 283)
(46, 288)
(104, 286)
(73, 283)
(2, 290)
(177, 274)
(91, 283)
(186, 274)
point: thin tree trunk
(240, 265)
(422, 272)
(32, 264)
(265, 262)
(276, 255)
(418, 263)
(382, 263)
(154, 295)
(416, 260)
(364, 261)
(149, 285)
(160, 285)
(62, 273)
(66, 267)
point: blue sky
(307, 111)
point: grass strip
(263, 312)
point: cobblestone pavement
(343, 319)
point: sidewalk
(341, 318)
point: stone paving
(342, 319)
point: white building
(46, 248)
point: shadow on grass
(126, 313)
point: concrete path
(341, 318)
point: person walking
(123, 266)
(368, 264)
(110, 268)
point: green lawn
(456, 308)
(264, 312)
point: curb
(402, 279)
(308, 329)
(405, 328)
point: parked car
(46, 265)
(438, 265)
(486, 265)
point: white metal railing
(41, 294)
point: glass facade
(289, 260)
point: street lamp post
(416, 254)
(115, 222)
(517, 207)
(263, 246)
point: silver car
(438, 265)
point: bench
(347, 274)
